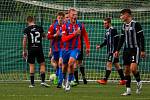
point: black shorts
(35, 53)
(80, 56)
(111, 58)
(131, 56)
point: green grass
(92, 91)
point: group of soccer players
(66, 43)
(66, 36)
(133, 39)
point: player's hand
(97, 47)
(56, 35)
(50, 52)
(143, 54)
(116, 54)
(87, 52)
(78, 32)
(24, 54)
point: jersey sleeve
(115, 38)
(65, 36)
(50, 34)
(121, 40)
(85, 37)
(25, 32)
(140, 35)
(42, 31)
(104, 42)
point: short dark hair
(60, 14)
(126, 11)
(66, 12)
(30, 19)
(108, 20)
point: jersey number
(35, 38)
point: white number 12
(35, 39)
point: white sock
(128, 89)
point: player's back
(34, 35)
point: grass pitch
(91, 91)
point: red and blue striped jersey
(56, 42)
(70, 40)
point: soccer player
(78, 62)
(133, 39)
(71, 32)
(111, 40)
(55, 34)
(34, 33)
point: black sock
(128, 83)
(32, 78)
(76, 75)
(137, 77)
(43, 77)
(121, 74)
(107, 74)
(82, 70)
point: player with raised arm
(133, 38)
(111, 40)
(55, 34)
(33, 34)
(71, 32)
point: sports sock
(76, 75)
(57, 72)
(43, 77)
(107, 74)
(120, 71)
(32, 78)
(70, 77)
(82, 70)
(128, 83)
(60, 76)
(137, 77)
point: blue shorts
(70, 53)
(57, 55)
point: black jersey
(34, 35)
(132, 35)
(111, 40)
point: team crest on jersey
(33, 29)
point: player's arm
(121, 41)
(50, 51)
(86, 39)
(65, 36)
(104, 42)
(140, 35)
(115, 38)
(50, 34)
(24, 52)
(42, 33)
